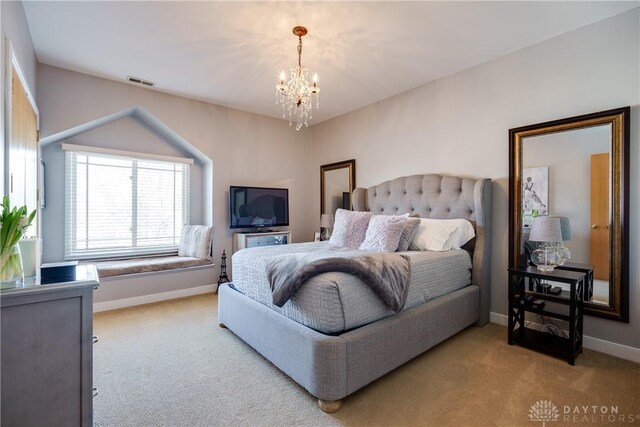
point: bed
(333, 356)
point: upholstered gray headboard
(438, 196)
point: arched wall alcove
(145, 133)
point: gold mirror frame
(351, 165)
(618, 119)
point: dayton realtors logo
(544, 410)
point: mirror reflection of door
(599, 231)
(575, 165)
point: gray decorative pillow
(196, 241)
(349, 228)
(408, 233)
(383, 233)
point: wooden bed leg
(222, 325)
(330, 406)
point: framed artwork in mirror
(577, 169)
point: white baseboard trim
(597, 344)
(147, 299)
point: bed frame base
(331, 367)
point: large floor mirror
(337, 182)
(577, 169)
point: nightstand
(521, 284)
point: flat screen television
(257, 207)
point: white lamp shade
(565, 227)
(326, 221)
(546, 229)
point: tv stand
(260, 238)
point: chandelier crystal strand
(296, 94)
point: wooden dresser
(46, 354)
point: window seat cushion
(146, 265)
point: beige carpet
(169, 364)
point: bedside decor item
(15, 222)
(563, 252)
(326, 224)
(547, 230)
(296, 94)
(223, 270)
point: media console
(251, 240)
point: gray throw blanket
(387, 274)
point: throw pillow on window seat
(196, 241)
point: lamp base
(545, 258)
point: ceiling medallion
(295, 95)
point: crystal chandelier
(296, 95)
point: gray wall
(459, 125)
(246, 149)
(13, 25)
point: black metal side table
(520, 285)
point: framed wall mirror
(578, 169)
(337, 182)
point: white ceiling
(230, 53)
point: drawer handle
(95, 339)
(95, 391)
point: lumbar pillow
(383, 233)
(433, 235)
(349, 228)
(196, 241)
(408, 233)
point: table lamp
(326, 223)
(563, 252)
(547, 230)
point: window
(123, 204)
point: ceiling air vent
(140, 81)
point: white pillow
(349, 228)
(196, 241)
(383, 233)
(433, 236)
(463, 234)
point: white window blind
(123, 205)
